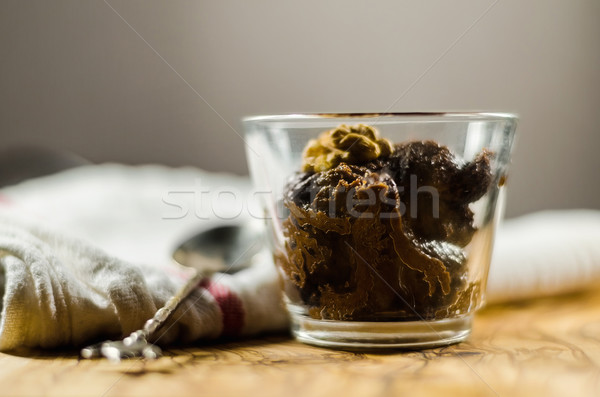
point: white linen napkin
(86, 255)
(61, 290)
(545, 253)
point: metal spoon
(225, 249)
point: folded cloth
(104, 283)
(545, 253)
(60, 290)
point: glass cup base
(361, 335)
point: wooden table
(549, 347)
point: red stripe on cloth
(230, 305)
(4, 200)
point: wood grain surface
(549, 347)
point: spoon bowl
(224, 249)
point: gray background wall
(75, 76)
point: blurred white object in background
(545, 253)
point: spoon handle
(165, 312)
(136, 344)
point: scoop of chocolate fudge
(358, 246)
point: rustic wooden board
(550, 347)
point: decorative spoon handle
(136, 344)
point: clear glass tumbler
(381, 225)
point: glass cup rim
(466, 115)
